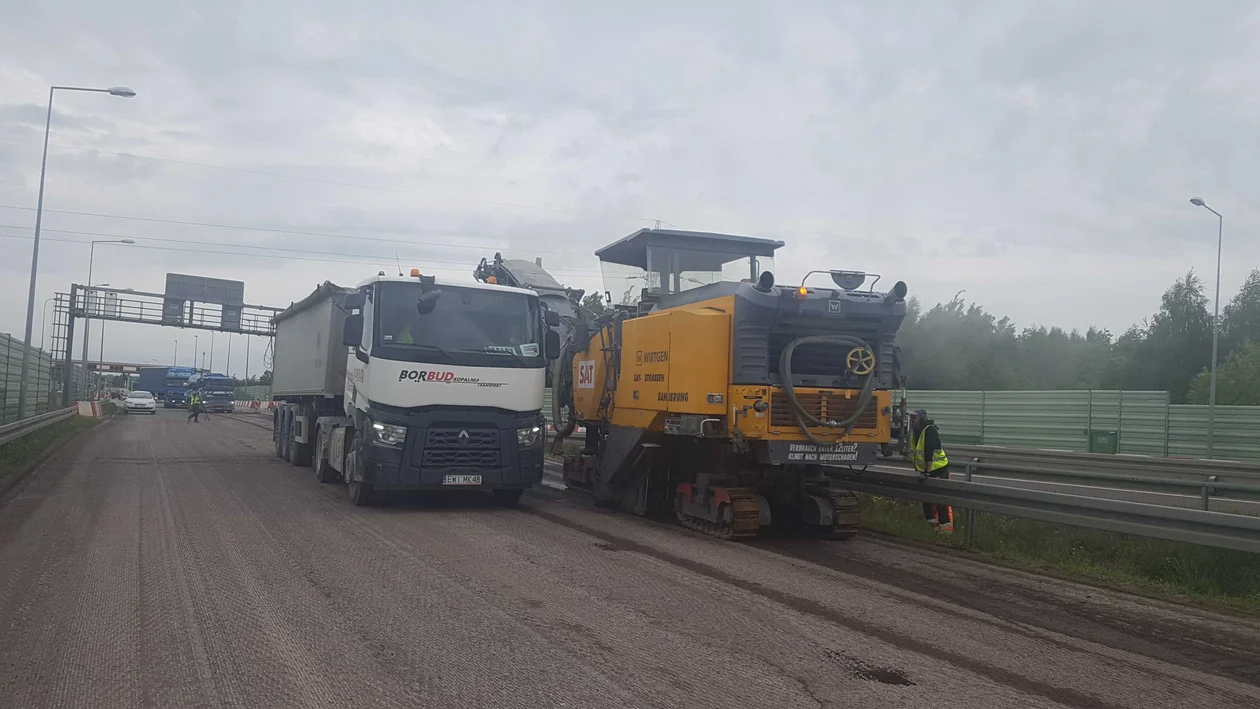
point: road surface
(156, 563)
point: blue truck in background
(217, 391)
(176, 387)
(152, 380)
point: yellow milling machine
(716, 393)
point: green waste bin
(1104, 442)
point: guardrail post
(968, 470)
(1205, 492)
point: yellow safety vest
(916, 454)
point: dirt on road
(157, 563)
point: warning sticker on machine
(838, 454)
(586, 374)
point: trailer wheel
(275, 432)
(285, 440)
(323, 469)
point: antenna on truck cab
(398, 262)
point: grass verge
(17, 456)
(1218, 576)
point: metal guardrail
(17, 429)
(1206, 479)
(1217, 529)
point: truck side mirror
(551, 344)
(552, 318)
(354, 301)
(352, 331)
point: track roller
(722, 512)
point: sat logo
(586, 374)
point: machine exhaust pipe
(897, 294)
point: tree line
(960, 345)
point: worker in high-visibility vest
(929, 460)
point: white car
(140, 402)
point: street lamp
(120, 91)
(1216, 323)
(91, 258)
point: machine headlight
(387, 434)
(530, 436)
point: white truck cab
(441, 385)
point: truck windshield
(478, 320)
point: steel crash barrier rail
(1205, 479)
(1208, 480)
(1216, 529)
(17, 429)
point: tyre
(508, 498)
(275, 433)
(286, 435)
(323, 469)
(361, 494)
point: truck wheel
(508, 498)
(323, 469)
(361, 494)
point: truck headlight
(529, 436)
(387, 434)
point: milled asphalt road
(155, 563)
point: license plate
(461, 479)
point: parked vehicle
(410, 383)
(140, 402)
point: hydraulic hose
(562, 391)
(803, 417)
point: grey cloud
(1036, 145)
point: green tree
(265, 379)
(1240, 318)
(1178, 341)
(958, 346)
(1237, 379)
(594, 304)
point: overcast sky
(1038, 155)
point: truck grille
(825, 405)
(449, 438)
(461, 458)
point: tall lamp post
(121, 91)
(91, 258)
(1216, 323)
